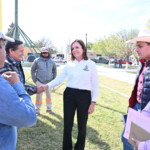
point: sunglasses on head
(44, 52)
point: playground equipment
(16, 31)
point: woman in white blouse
(82, 78)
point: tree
(10, 31)
(121, 47)
(104, 46)
(89, 45)
(46, 42)
(148, 24)
(115, 44)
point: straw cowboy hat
(143, 36)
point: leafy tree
(104, 46)
(89, 45)
(148, 24)
(46, 42)
(115, 44)
(121, 47)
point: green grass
(117, 85)
(104, 126)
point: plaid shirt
(11, 65)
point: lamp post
(86, 40)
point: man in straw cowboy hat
(141, 91)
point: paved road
(118, 74)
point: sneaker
(50, 111)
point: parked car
(60, 60)
(63, 60)
(112, 60)
(31, 58)
(100, 60)
(124, 62)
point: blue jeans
(126, 145)
(120, 65)
(115, 65)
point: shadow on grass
(110, 109)
(56, 88)
(47, 134)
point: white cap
(2, 36)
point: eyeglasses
(44, 52)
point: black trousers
(80, 100)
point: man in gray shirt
(43, 71)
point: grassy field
(104, 126)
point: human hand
(91, 108)
(136, 143)
(41, 88)
(11, 77)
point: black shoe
(50, 111)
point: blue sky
(60, 20)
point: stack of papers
(137, 126)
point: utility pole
(0, 16)
(16, 20)
(86, 40)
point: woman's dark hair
(83, 47)
(13, 45)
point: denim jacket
(16, 110)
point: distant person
(140, 95)
(16, 108)
(82, 77)
(120, 63)
(14, 54)
(43, 71)
(115, 63)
